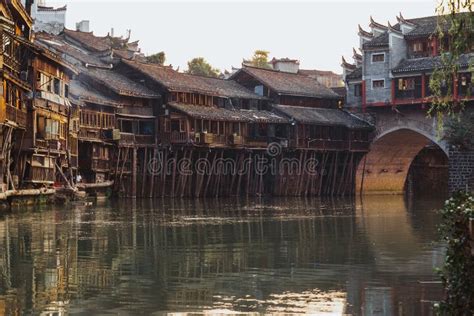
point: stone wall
(461, 169)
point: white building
(48, 19)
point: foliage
(158, 58)
(459, 130)
(260, 59)
(460, 34)
(199, 66)
(458, 271)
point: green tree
(158, 58)
(199, 66)
(260, 59)
(456, 26)
(458, 271)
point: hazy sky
(317, 33)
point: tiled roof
(209, 112)
(356, 74)
(62, 47)
(83, 92)
(288, 83)
(428, 63)
(426, 26)
(423, 27)
(322, 116)
(340, 90)
(223, 114)
(316, 72)
(258, 116)
(177, 81)
(378, 41)
(119, 83)
(95, 43)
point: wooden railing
(51, 144)
(100, 164)
(145, 139)
(127, 139)
(174, 137)
(16, 115)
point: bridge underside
(386, 167)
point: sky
(224, 32)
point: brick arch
(385, 167)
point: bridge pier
(461, 169)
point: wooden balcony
(145, 139)
(129, 139)
(51, 144)
(174, 137)
(16, 115)
(256, 141)
(236, 140)
(98, 164)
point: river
(374, 256)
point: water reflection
(372, 257)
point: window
(358, 90)
(406, 84)
(57, 86)
(378, 84)
(258, 90)
(146, 128)
(175, 125)
(66, 90)
(378, 58)
(418, 47)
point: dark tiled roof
(378, 41)
(95, 43)
(356, 74)
(427, 26)
(258, 116)
(83, 92)
(177, 81)
(119, 83)
(289, 84)
(428, 63)
(208, 112)
(340, 90)
(322, 116)
(222, 114)
(60, 46)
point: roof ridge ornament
(347, 65)
(391, 29)
(364, 33)
(402, 20)
(356, 54)
(374, 24)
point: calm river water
(327, 257)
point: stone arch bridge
(408, 153)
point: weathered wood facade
(100, 119)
